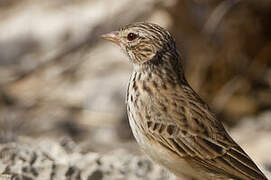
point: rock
(48, 159)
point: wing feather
(227, 157)
(192, 132)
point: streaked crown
(142, 41)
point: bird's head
(142, 42)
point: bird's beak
(112, 36)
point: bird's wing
(215, 155)
(193, 133)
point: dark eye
(131, 36)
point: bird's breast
(139, 104)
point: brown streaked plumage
(168, 119)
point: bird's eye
(131, 36)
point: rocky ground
(61, 160)
(62, 89)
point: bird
(169, 120)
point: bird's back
(175, 127)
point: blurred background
(59, 79)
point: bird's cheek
(142, 57)
(143, 53)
